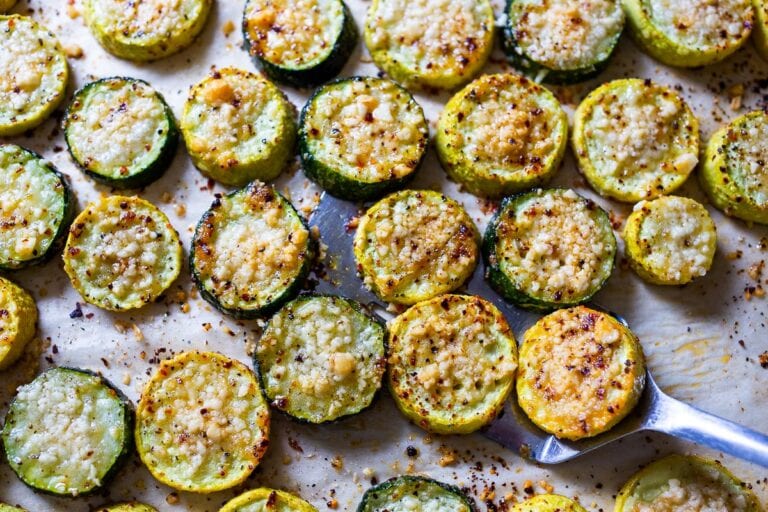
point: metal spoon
(656, 411)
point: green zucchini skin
(201, 250)
(143, 175)
(315, 74)
(330, 176)
(22, 155)
(534, 69)
(126, 426)
(513, 292)
(375, 498)
(363, 401)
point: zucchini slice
(127, 507)
(548, 503)
(67, 432)
(122, 253)
(635, 139)
(251, 252)
(565, 41)
(5, 6)
(452, 362)
(362, 137)
(148, 29)
(18, 321)
(410, 493)
(36, 208)
(581, 372)
(202, 424)
(33, 74)
(430, 43)
(734, 174)
(501, 134)
(267, 500)
(121, 132)
(299, 42)
(689, 33)
(686, 482)
(670, 240)
(549, 249)
(760, 31)
(321, 358)
(415, 244)
(238, 127)
(9, 508)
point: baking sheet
(703, 341)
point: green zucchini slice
(321, 358)
(501, 134)
(670, 240)
(299, 42)
(581, 372)
(18, 321)
(565, 41)
(689, 33)
(760, 31)
(67, 432)
(635, 139)
(121, 132)
(362, 137)
(148, 29)
(267, 500)
(33, 74)
(548, 503)
(202, 424)
(549, 249)
(127, 507)
(415, 244)
(9, 508)
(122, 253)
(251, 252)
(430, 43)
(410, 493)
(686, 482)
(733, 173)
(452, 362)
(5, 6)
(36, 208)
(238, 127)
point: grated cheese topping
(370, 129)
(701, 24)
(747, 154)
(294, 33)
(566, 34)
(410, 495)
(694, 496)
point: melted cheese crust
(701, 24)
(693, 496)
(33, 73)
(566, 34)
(370, 129)
(202, 423)
(413, 245)
(294, 33)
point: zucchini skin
(20, 308)
(275, 496)
(659, 46)
(261, 370)
(9, 508)
(335, 182)
(548, 503)
(315, 75)
(716, 180)
(132, 506)
(676, 466)
(291, 291)
(67, 217)
(151, 172)
(760, 31)
(518, 58)
(127, 444)
(393, 484)
(505, 286)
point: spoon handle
(681, 420)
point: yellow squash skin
(760, 32)
(452, 362)
(6, 5)
(725, 190)
(652, 480)
(18, 321)
(581, 372)
(267, 500)
(127, 507)
(674, 53)
(548, 503)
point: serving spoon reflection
(655, 412)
